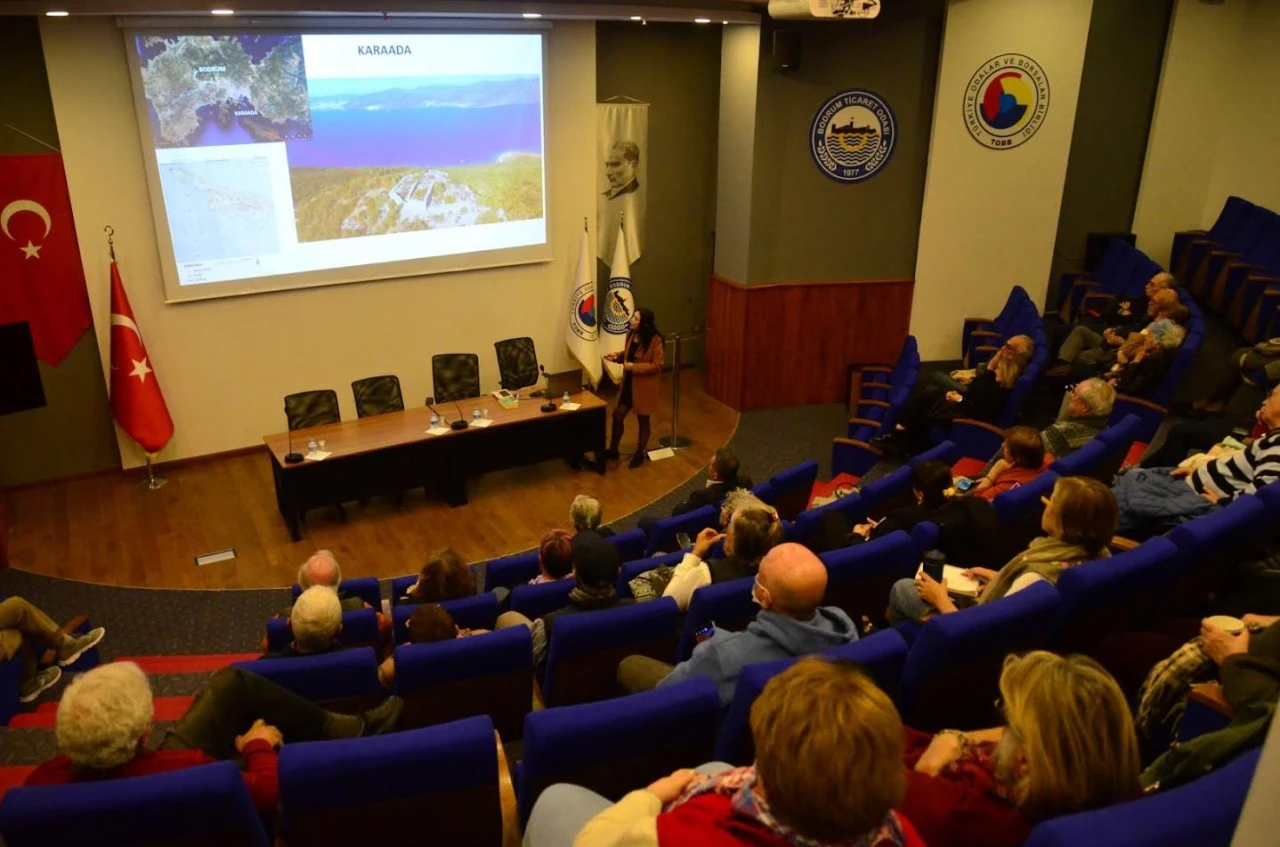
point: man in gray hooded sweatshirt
(788, 589)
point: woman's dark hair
(555, 553)
(430, 623)
(444, 577)
(931, 478)
(1026, 448)
(648, 326)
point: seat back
(614, 747)
(204, 806)
(881, 655)
(359, 629)
(585, 648)
(488, 674)
(631, 544)
(953, 669)
(808, 524)
(631, 570)
(662, 537)
(455, 376)
(791, 489)
(728, 605)
(517, 363)
(1212, 544)
(345, 682)
(510, 571)
(377, 395)
(1202, 812)
(366, 588)
(534, 601)
(443, 778)
(312, 408)
(1086, 461)
(859, 577)
(476, 612)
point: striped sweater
(1241, 472)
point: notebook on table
(957, 583)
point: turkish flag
(41, 278)
(136, 401)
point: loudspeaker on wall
(786, 50)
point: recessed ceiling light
(531, 15)
(222, 11)
(702, 20)
(56, 14)
(726, 23)
(636, 18)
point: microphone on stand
(461, 422)
(291, 458)
(548, 406)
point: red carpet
(45, 715)
(13, 776)
(188, 664)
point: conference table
(386, 454)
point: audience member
(585, 513)
(791, 622)
(1258, 365)
(1191, 436)
(315, 624)
(1084, 416)
(828, 771)
(722, 477)
(596, 566)
(1079, 522)
(1095, 349)
(753, 531)
(443, 577)
(426, 624)
(1022, 459)
(555, 557)
(322, 568)
(104, 725)
(1143, 360)
(19, 623)
(1067, 746)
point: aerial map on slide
(205, 90)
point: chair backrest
(477, 612)
(860, 577)
(517, 363)
(1233, 209)
(808, 524)
(488, 674)
(953, 669)
(359, 628)
(630, 570)
(884, 494)
(441, 779)
(455, 376)
(345, 682)
(510, 571)
(534, 601)
(400, 585)
(204, 806)
(881, 654)
(619, 745)
(662, 537)
(791, 489)
(1202, 812)
(585, 648)
(1211, 544)
(312, 408)
(726, 604)
(1083, 462)
(377, 395)
(366, 588)
(631, 545)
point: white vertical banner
(619, 303)
(622, 147)
(582, 334)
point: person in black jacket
(722, 477)
(983, 399)
(1144, 360)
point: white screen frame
(175, 292)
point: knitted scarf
(1046, 557)
(1064, 437)
(593, 596)
(739, 784)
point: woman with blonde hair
(1079, 522)
(1068, 745)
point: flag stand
(153, 483)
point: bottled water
(311, 446)
(565, 398)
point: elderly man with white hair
(104, 726)
(322, 568)
(585, 512)
(315, 622)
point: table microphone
(461, 422)
(291, 458)
(548, 406)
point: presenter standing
(642, 358)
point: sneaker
(383, 718)
(77, 645)
(38, 684)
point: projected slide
(293, 156)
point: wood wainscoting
(792, 343)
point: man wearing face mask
(788, 590)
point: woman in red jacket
(1068, 745)
(642, 357)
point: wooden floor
(107, 529)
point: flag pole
(111, 240)
(153, 483)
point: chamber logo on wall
(1006, 101)
(852, 135)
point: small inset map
(205, 90)
(220, 209)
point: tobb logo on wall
(1006, 101)
(852, 135)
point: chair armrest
(1235, 266)
(878, 369)
(1192, 232)
(1202, 242)
(980, 425)
(1138, 401)
(507, 798)
(977, 320)
(853, 442)
(1225, 253)
(874, 385)
(865, 422)
(985, 333)
(49, 656)
(1097, 295)
(1210, 695)
(1072, 276)
(881, 403)
(976, 439)
(1265, 280)
(1124, 544)
(1087, 283)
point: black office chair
(312, 408)
(377, 395)
(455, 376)
(517, 363)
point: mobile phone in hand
(683, 539)
(963, 483)
(704, 633)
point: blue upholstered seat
(534, 601)
(630, 570)
(349, 676)
(510, 571)
(585, 649)
(859, 577)
(439, 783)
(366, 588)
(662, 537)
(359, 627)
(726, 604)
(631, 544)
(477, 612)
(792, 487)
(208, 804)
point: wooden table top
(365, 435)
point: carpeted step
(206, 663)
(46, 714)
(13, 776)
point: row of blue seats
(1122, 273)
(882, 392)
(1234, 266)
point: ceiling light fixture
(531, 15)
(702, 20)
(726, 23)
(56, 14)
(222, 12)
(636, 18)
